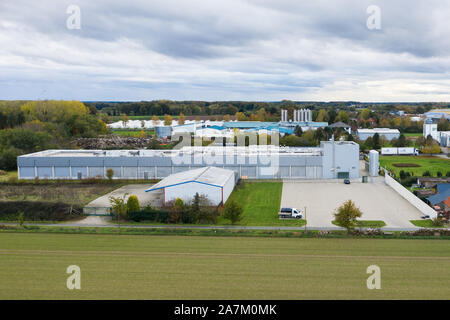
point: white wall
(228, 188)
(410, 197)
(187, 191)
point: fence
(409, 196)
(97, 211)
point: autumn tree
(167, 120)
(155, 120)
(181, 118)
(346, 215)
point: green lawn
(430, 163)
(415, 135)
(426, 223)
(33, 266)
(261, 204)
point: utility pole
(306, 221)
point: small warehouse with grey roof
(214, 183)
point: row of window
(161, 172)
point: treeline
(174, 108)
(30, 126)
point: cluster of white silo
(284, 115)
(301, 115)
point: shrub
(109, 174)
(150, 214)
(439, 174)
(233, 212)
(133, 204)
(438, 222)
(426, 174)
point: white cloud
(225, 50)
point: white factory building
(389, 134)
(431, 129)
(214, 183)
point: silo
(374, 166)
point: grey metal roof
(206, 175)
(339, 124)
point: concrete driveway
(101, 205)
(376, 200)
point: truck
(408, 151)
(289, 213)
(399, 151)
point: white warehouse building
(389, 134)
(214, 183)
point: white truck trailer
(399, 151)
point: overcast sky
(263, 50)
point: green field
(432, 164)
(414, 135)
(33, 266)
(261, 203)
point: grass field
(415, 135)
(432, 164)
(261, 203)
(33, 266)
(8, 175)
(424, 223)
(58, 192)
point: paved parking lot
(376, 200)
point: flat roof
(209, 150)
(208, 175)
(378, 130)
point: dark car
(347, 181)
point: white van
(290, 213)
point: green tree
(322, 116)
(298, 131)
(401, 141)
(233, 212)
(132, 204)
(109, 173)
(119, 206)
(376, 141)
(343, 116)
(346, 215)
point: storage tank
(374, 166)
